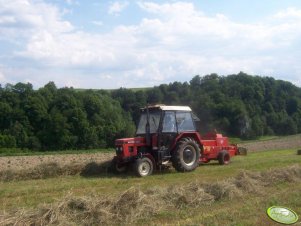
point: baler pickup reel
(242, 151)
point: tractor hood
(132, 140)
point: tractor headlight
(119, 149)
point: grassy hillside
(243, 207)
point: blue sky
(112, 44)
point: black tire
(299, 152)
(223, 158)
(186, 155)
(143, 167)
(117, 168)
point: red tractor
(168, 134)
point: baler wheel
(143, 167)
(223, 158)
(186, 155)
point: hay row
(53, 169)
(135, 204)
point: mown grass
(248, 210)
(27, 152)
(237, 140)
(239, 200)
(31, 193)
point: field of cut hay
(85, 193)
(46, 166)
(288, 142)
(29, 162)
(136, 204)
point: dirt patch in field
(135, 204)
(289, 142)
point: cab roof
(169, 108)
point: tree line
(58, 119)
(238, 105)
(52, 118)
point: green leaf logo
(282, 215)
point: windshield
(154, 120)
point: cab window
(184, 122)
(169, 122)
(154, 119)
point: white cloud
(116, 8)
(23, 18)
(174, 41)
(106, 76)
(97, 22)
(170, 9)
(289, 13)
(6, 20)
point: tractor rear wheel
(186, 155)
(223, 158)
(143, 167)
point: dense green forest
(55, 119)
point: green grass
(31, 193)
(237, 140)
(27, 152)
(249, 210)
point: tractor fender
(195, 135)
(148, 155)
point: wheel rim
(120, 168)
(189, 156)
(144, 168)
(226, 159)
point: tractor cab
(161, 124)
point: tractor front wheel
(186, 155)
(117, 167)
(143, 167)
(223, 158)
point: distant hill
(238, 105)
